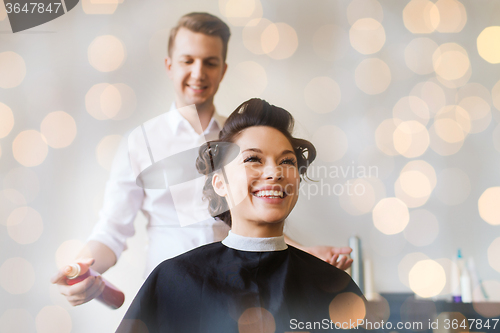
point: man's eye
(252, 159)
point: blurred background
(401, 99)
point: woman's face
(261, 185)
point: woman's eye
(288, 161)
(252, 159)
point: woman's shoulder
(320, 272)
(197, 258)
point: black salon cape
(208, 289)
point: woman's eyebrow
(257, 150)
(287, 152)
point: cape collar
(253, 244)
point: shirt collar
(254, 244)
(175, 119)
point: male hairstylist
(196, 64)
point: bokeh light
(23, 180)
(474, 89)
(331, 42)
(17, 275)
(279, 41)
(479, 112)
(252, 76)
(10, 199)
(17, 321)
(415, 184)
(12, 69)
(494, 254)
(423, 167)
(432, 94)
(450, 61)
(452, 124)
(390, 216)
(384, 137)
(489, 205)
(422, 229)
(367, 36)
(452, 15)
(407, 188)
(30, 148)
(495, 95)
(100, 7)
(453, 186)
(323, 139)
(240, 12)
(67, 252)
(407, 263)
(256, 320)
(106, 150)
(59, 129)
(359, 9)
(441, 146)
(322, 94)
(104, 101)
(252, 35)
(347, 307)
(411, 139)
(365, 192)
(488, 46)
(372, 76)
(421, 16)
(411, 108)
(427, 278)
(128, 102)
(53, 319)
(6, 120)
(418, 55)
(25, 225)
(106, 53)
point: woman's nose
(273, 172)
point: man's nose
(198, 70)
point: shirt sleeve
(122, 200)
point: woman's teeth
(269, 194)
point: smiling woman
(252, 280)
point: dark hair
(254, 112)
(204, 23)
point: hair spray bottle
(111, 296)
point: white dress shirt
(170, 230)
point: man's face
(196, 68)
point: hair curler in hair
(110, 296)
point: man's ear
(224, 71)
(218, 185)
(168, 66)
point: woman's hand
(81, 292)
(336, 256)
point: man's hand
(81, 292)
(331, 255)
